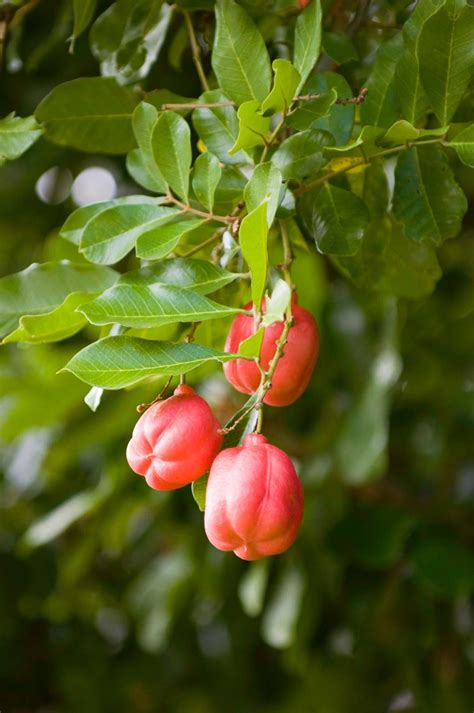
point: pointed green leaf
(411, 95)
(144, 120)
(307, 40)
(339, 47)
(253, 127)
(41, 288)
(146, 306)
(301, 155)
(73, 228)
(218, 127)
(392, 264)
(172, 151)
(59, 323)
(116, 362)
(253, 241)
(83, 13)
(446, 57)
(427, 199)
(403, 131)
(163, 238)
(380, 107)
(112, 233)
(252, 346)
(90, 114)
(323, 113)
(206, 176)
(335, 218)
(17, 135)
(264, 185)
(284, 88)
(199, 275)
(239, 57)
(198, 489)
(463, 144)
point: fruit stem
(258, 427)
(141, 408)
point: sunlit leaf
(239, 57)
(90, 114)
(116, 362)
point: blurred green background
(112, 600)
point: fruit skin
(254, 500)
(175, 441)
(295, 367)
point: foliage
(242, 148)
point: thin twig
(196, 51)
(172, 106)
(305, 187)
(185, 207)
(141, 408)
(359, 99)
(202, 245)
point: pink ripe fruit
(254, 500)
(175, 441)
(295, 367)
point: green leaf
(339, 47)
(463, 144)
(444, 565)
(147, 306)
(41, 288)
(172, 151)
(253, 241)
(403, 131)
(162, 239)
(282, 611)
(244, 426)
(264, 185)
(277, 304)
(83, 13)
(446, 71)
(199, 275)
(307, 40)
(218, 128)
(239, 57)
(198, 489)
(301, 155)
(335, 218)
(252, 346)
(90, 114)
(162, 97)
(374, 535)
(112, 233)
(138, 168)
(363, 146)
(206, 176)
(73, 228)
(17, 135)
(411, 95)
(392, 264)
(380, 107)
(323, 113)
(144, 121)
(117, 362)
(427, 199)
(59, 323)
(309, 112)
(127, 38)
(285, 84)
(253, 127)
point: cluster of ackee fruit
(254, 497)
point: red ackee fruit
(294, 369)
(254, 500)
(175, 441)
